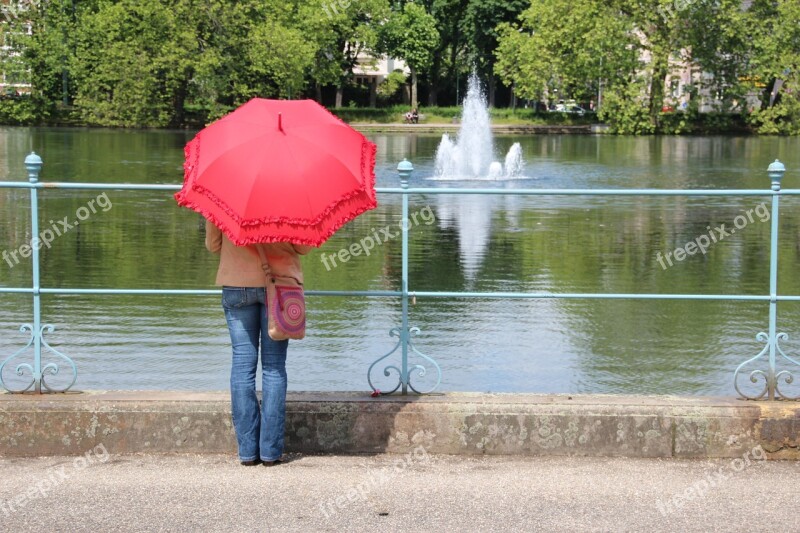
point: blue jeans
(259, 431)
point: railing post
(405, 332)
(405, 168)
(33, 164)
(776, 171)
(772, 338)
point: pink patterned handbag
(286, 308)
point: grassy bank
(22, 111)
(439, 115)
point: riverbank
(452, 423)
(497, 129)
(391, 120)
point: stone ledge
(452, 423)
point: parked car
(9, 93)
(13, 93)
(567, 108)
(578, 110)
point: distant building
(685, 77)
(14, 75)
(371, 71)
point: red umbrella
(279, 171)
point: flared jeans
(259, 429)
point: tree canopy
(153, 63)
(629, 52)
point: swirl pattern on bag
(289, 309)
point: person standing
(242, 275)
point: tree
(124, 72)
(565, 48)
(279, 51)
(481, 26)
(410, 35)
(452, 47)
(42, 53)
(343, 37)
(137, 63)
(252, 48)
(632, 46)
(776, 61)
(723, 54)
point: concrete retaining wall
(453, 423)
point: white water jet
(495, 170)
(514, 162)
(471, 155)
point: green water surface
(550, 244)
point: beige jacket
(241, 266)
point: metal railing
(404, 333)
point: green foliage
(722, 52)
(629, 49)
(625, 110)
(445, 115)
(157, 63)
(410, 35)
(481, 24)
(777, 57)
(38, 57)
(388, 89)
(127, 64)
(18, 111)
(563, 49)
(282, 55)
(342, 35)
(781, 119)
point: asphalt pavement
(416, 492)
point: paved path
(102, 492)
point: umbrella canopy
(279, 171)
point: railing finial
(33, 163)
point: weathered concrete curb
(453, 423)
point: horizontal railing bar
(421, 294)
(185, 292)
(430, 190)
(395, 294)
(595, 192)
(89, 186)
(587, 296)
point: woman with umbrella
(273, 179)
(242, 272)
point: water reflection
(488, 243)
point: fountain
(471, 155)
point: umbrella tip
(280, 121)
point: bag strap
(259, 251)
(299, 283)
(264, 263)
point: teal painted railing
(771, 353)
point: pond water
(550, 244)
